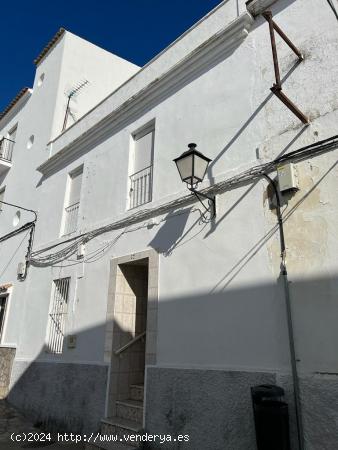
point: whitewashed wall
(223, 314)
(41, 116)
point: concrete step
(109, 446)
(121, 428)
(130, 409)
(136, 392)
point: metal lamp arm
(198, 195)
(21, 207)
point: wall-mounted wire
(43, 258)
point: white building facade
(131, 290)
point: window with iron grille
(141, 178)
(58, 315)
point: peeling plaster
(305, 226)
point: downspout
(284, 275)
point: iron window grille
(71, 218)
(57, 315)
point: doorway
(131, 331)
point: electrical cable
(42, 258)
(13, 255)
(24, 227)
(333, 8)
(20, 207)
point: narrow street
(11, 421)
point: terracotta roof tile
(13, 102)
(49, 46)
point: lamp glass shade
(200, 167)
(185, 167)
(192, 166)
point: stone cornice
(218, 45)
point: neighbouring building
(126, 305)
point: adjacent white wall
(83, 60)
(41, 116)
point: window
(3, 304)
(2, 197)
(73, 203)
(58, 315)
(7, 144)
(142, 167)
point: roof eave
(51, 44)
(16, 103)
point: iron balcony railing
(71, 216)
(6, 149)
(141, 187)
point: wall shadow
(172, 233)
(222, 344)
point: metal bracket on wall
(277, 87)
(211, 201)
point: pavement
(13, 425)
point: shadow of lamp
(192, 166)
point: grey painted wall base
(319, 395)
(319, 398)
(213, 407)
(61, 397)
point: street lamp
(192, 166)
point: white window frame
(146, 195)
(2, 191)
(4, 320)
(66, 205)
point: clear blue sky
(133, 29)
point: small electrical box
(287, 178)
(71, 341)
(81, 251)
(21, 270)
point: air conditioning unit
(21, 271)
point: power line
(40, 258)
(12, 257)
(333, 8)
(21, 207)
(24, 227)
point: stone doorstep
(121, 427)
(130, 409)
(109, 446)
